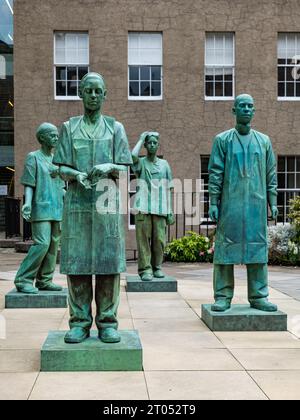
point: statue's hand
(82, 179)
(274, 211)
(213, 213)
(26, 212)
(99, 170)
(143, 136)
(170, 219)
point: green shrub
(294, 216)
(190, 248)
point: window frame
(285, 191)
(291, 66)
(222, 66)
(66, 65)
(144, 98)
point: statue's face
(152, 144)
(93, 94)
(244, 110)
(50, 138)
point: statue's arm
(271, 180)
(136, 151)
(27, 207)
(216, 169)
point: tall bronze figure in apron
(242, 183)
(92, 150)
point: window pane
(219, 89)
(72, 73)
(72, 88)
(280, 200)
(82, 71)
(281, 181)
(83, 56)
(209, 57)
(133, 73)
(290, 89)
(298, 164)
(209, 74)
(291, 164)
(150, 56)
(281, 74)
(219, 41)
(150, 40)
(83, 41)
(204, 164)
(228, 89)
(145, 88)
(60, 56)
(219, 57)
(281, 164)
(134, 89)
(156, 73)
(289, 74)
(155, 88)
(71, 41)
(228, 74)
(60, 40)
(229, 57)
(281, 89)
(219, 75)
(210, 41)
(290, 180)
(281, 61)
(297, 180)
(145, 73)
(61, 88)
(60, 73)
(209, 89)
(71, 56)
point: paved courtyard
(183, 359)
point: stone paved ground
(182, 358)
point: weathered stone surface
(16, 299)
(166, 284)
(243, 318)
(92, 354)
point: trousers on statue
(151, 240)
(40, 262)
(107, 297)
(257, 275)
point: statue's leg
(143, 239)
(80, 306)
(41, 234)
(107, 296)
(46, 271)
(223, 286)
(258, 291)
(158, 244)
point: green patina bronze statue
(44, 191)
(242, 181)
(152, 204)
(92, 148)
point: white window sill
(288, 98)
(219, 98)
(67, 98)
(145, 98)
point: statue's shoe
(146, 277)
(76, 335)
(158, 274)
(51, 287)
(264, 305)
(220, 305)
(109, 335)
(28, 289)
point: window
(71, 63)
(288, 66)
(219, 66)
(145, 66)
(288, 183)
(204, 160)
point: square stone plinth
(43, 299)
(92, 354)
(166, 284)
(243, 318)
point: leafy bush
(190, 248)
(294, 216)
(282, 247)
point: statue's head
(47, 134)
(92, 91)
(243, 108)
(152, 142)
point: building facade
(173, 67)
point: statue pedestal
(243, 318)
(16, 299)
(166, 284)
(92, 354)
